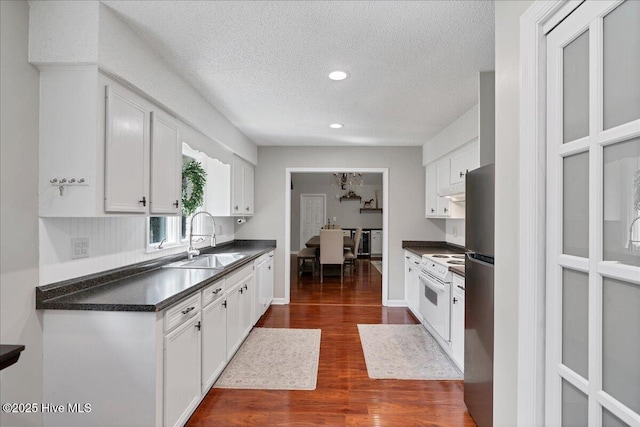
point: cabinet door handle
(416, 262)
(143, 201)
(224, 303)
(247, 208)
(246, 287)
(235, 207)
(198, 325)
(410, 269)
(455, 300)
(432, 210)
(241, 290)
(461, 174)
(188, 310)
(176, 204)
(269, 267)
(446, 210)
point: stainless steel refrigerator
(478, 329)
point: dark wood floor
(345, 396)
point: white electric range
(435, 297)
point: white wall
(19, 321)
(88, 32)
(455, 231)
(347, 213)
(113, 242)
(406, 198)
(506, 243)
(458, 133)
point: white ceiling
(413, 65)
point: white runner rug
(377, 265)
(405, 352)
(275, 359)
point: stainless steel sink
(212, 261)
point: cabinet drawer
(238, 276)
(213, 292)
(182, 311)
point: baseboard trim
(396, 303)
(279, 301)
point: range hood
(455, 193)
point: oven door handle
(434, 286)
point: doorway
(292, 226)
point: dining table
(314, 242)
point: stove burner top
(439, 256)
(458, 256)
(455, 262)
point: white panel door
(312, 215)
(126, 153)
(182, 380)
(593, 211)
(214, 342)
(166, 166)
(237, 184)
(248, 173)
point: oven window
(431, 295)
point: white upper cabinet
(166, 166)
(100, 154)
(242, 188)
(126, 146)
(445, 178)
(432, 191)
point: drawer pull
(188, 310)
(461, 287)
(246, 287)
(216, 291)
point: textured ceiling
(412, 65)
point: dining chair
(307, 254)
(331, 250)
(351, 254)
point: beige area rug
(275, 359)
(377, 265)
(405, 352)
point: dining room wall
(406, 199)
(346, 212)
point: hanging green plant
(194, 177)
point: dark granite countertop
(459, 270)
(143, 286)
(422, 247)
(9, 354)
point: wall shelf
(371, 210)
(358, 198)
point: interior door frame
(324, 208)
(385, 223)
(535, 23)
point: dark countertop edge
(459, 270)
(50, 296)
(415, 245)
(9, 354)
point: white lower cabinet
(214, 334)
(182, 380)
(263, 289)
(411, 283)
(153, 367)
(239, 308)
(457, 321)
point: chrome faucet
(193, 251)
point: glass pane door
(593, 217)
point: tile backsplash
(113, 242)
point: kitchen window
(166, 230)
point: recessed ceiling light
(336, 125)
(338, 75)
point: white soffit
(413, 66)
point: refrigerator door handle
(480, 259)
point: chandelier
(345, 179)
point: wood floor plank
(345, 395)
